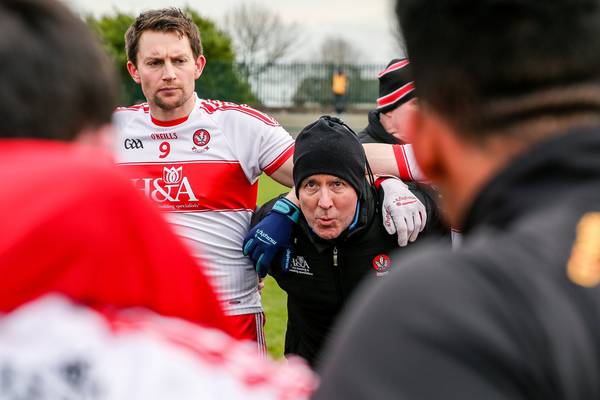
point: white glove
(403, 213)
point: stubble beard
(168, 106)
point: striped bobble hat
(396, 86)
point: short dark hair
(162, 20)
(485, 65)
(55, 79)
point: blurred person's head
(55, 79)
(329, 176)
(164, 53)
(396, 97)
(493, 77)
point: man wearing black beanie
(328, 147)
(340, 238)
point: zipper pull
(335, 251)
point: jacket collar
(543, 175)
(376, 131)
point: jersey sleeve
(260, 143)
(407, 164)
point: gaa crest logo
(132, 144)
(201, 137)
(382, 264)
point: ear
(200, 64)
(426, 134)
(133, 71)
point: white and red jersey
(203, 170)
(55, 349)
(75, 226)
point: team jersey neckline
(172, 122)
(177, 121)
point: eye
(179, 61)
(153, 63)
(338, 185)
(310, 187)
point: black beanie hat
(396, 86)
(328, 146)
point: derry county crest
(382, 264)
(201, 137)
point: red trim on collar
(172, 122)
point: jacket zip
(335, 256)
(337, 272)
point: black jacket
(505, 316)
(324, 273)
(374, 132)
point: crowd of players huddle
(102, 297)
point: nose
(325, 200)
(168, 71)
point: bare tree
(337, 50)
(260, 37)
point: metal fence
(288, 86)
(306, 86)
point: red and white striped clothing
(250, 327)
(408, 169)
(56, 349)
(203, 171)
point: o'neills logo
(172, 187)
(164, 136)
(382, 264)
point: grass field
(274, 299)
(274, 302)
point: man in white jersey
(98, 298)
(200, 159)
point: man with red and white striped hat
(386, 123)
(396, 98)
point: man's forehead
(155, 43)
(324, 178)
